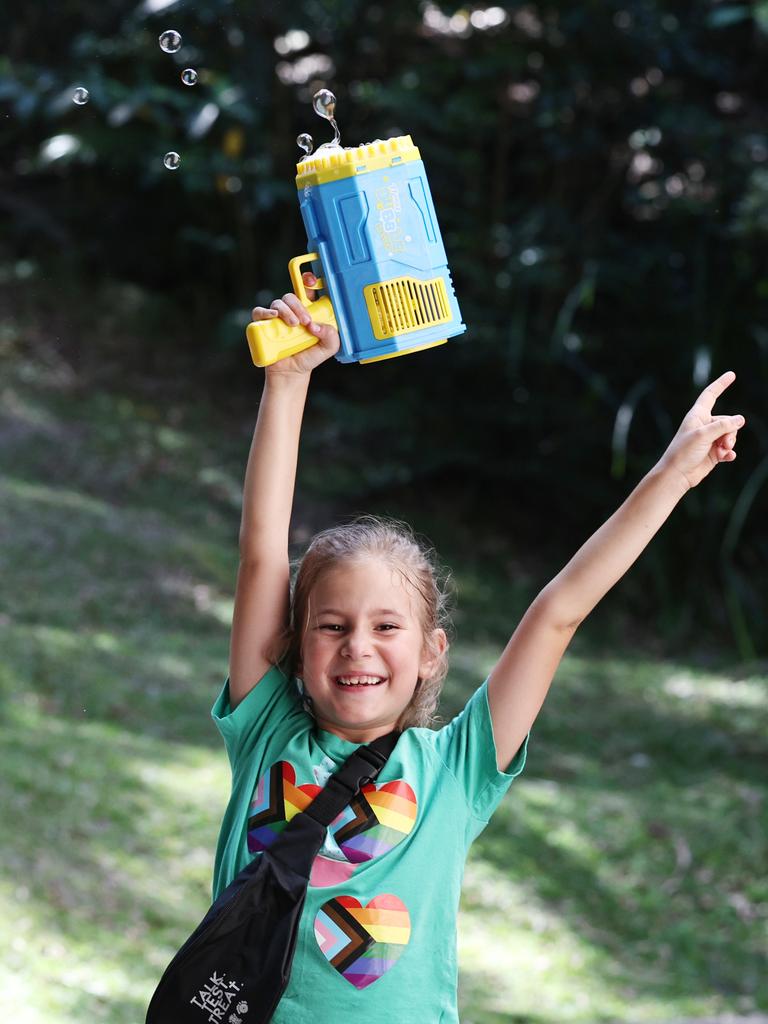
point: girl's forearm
(608, 554)
(270, 476)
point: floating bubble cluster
(170, 41)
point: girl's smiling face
(363, 650)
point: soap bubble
(80, 96)
(305, 142)
(172, 160)
(324, 103)
(189, 76)
(170, 41)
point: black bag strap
(360, 768)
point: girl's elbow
(557, 613)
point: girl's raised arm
(521, 679)
(261, 595)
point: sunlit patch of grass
(704, 692)
(112, 866)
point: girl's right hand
(291, 310)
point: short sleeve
(468, 750)
(271, 712)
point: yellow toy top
(344, 163)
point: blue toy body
(381, 255)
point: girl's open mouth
(358, 682)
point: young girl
(360, 650)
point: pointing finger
(712, 392)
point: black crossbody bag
(237, 962)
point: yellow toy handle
(271, 340)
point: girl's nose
(356, 645)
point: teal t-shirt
(377, 938)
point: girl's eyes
(335, 627)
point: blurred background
(600, 174)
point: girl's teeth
(359, 681)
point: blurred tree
(600, 173)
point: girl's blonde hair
(395, 543)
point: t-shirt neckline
(333, 744)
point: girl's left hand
(703, 440)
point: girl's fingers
(720, 426)
(296, 309)
(723, 447)
(327, 336)
(262, 313)
(310, 281)
(712, 392)
(290, 310)
(284, 312)
(290, 307)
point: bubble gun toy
(373, 236)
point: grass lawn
(623, 878)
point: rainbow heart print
(363, 942)
(372, 824)
(376, 820)
(276, 799)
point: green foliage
(599, 171)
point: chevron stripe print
(276, 800)
(363, 942)
(376, 820)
